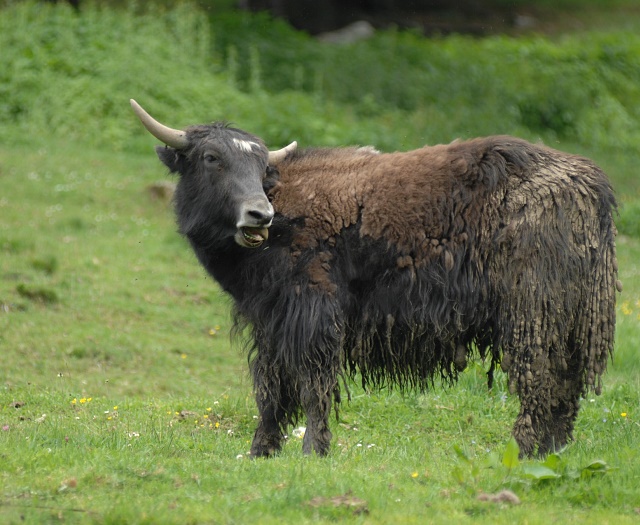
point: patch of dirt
(348, 500)
(504, 496)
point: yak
(396, 268)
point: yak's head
(220, 193)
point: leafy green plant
(629, 221)
(516, 472)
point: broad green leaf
(553, 461)
(510, 456)
(595, 467)
(539, 472)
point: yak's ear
(170, 157)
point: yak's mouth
(251, 237)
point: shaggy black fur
(400, 267)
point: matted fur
(401, 266)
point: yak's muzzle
(256, 216)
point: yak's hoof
(264, 448)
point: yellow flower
(183, 356)
(115, 407)
(414, 474)
(75, 400)
(624, 414)
(83, 400)
(217, 424)
(206, 416)
(626, 309)
(209, 409)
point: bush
(71, 74)
(582, 88)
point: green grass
(102, 304)
(131, 328)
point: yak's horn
(171, 137)
(279, 155)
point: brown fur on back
(420, 199)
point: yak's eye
(210, 159)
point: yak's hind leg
(568, 385)
(548, 374)
(535, 398)
(532, 362)
(549, 403)
(277, 406)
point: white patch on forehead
(244, 145)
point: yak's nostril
(263, 217)
(256, 213)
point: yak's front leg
(315, 397)
(318, 334)
(276, 406)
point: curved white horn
(171, 137)
(279, 155)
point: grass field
(122, 397)
(123, 400)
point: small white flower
(298, 432)
(239, 456)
